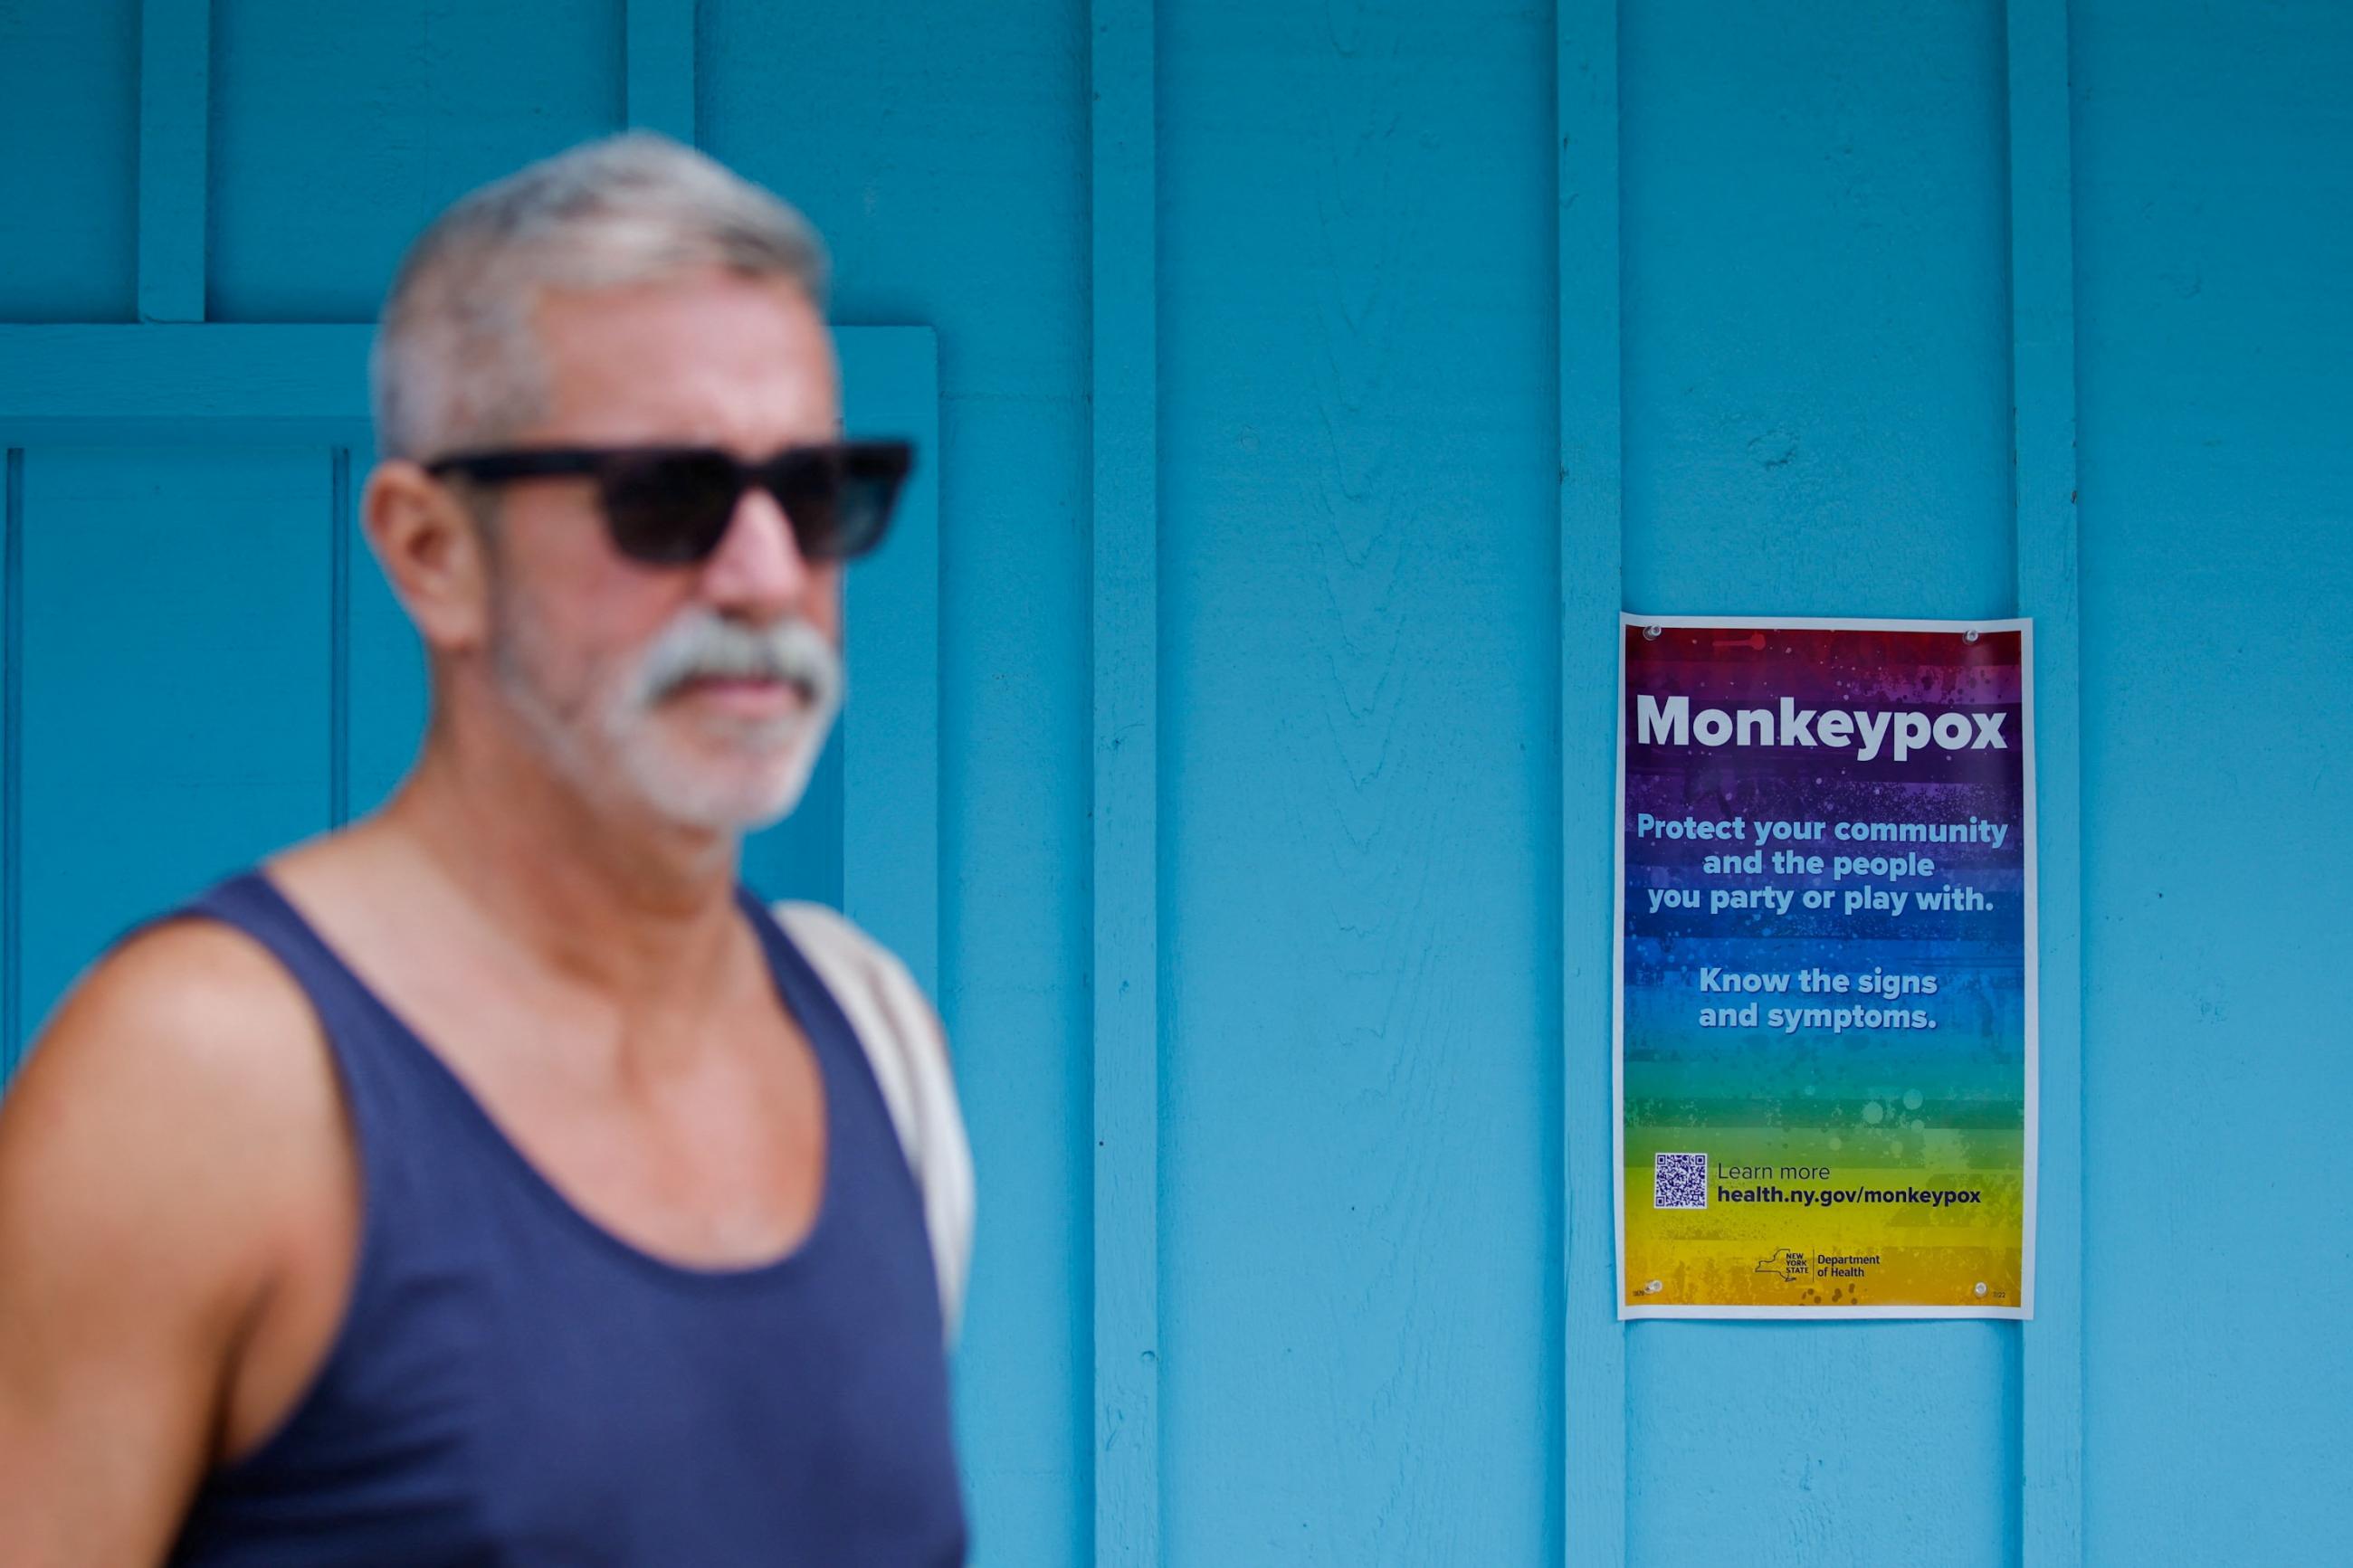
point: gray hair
(454, 361)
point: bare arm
(146, 1156)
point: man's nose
(758, 571)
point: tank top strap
(394, 1096)
(857, 1110)
(802, 989)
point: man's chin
(727, 801)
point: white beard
(742, 776)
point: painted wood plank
(2212, 174)
(175, 684)
(340, 545)
(12, 770)
(77, 383)
(174, 129)
(891, 727)
(1591, 593)
(2042, 363)
(1361, 1299)
(661, 67)
(340, 130)
(1125, 566)
(70, 173)
(1781, 457)
(91, 382)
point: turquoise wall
(1311, 385)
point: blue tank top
(514, 1385)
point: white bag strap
(907, 1048)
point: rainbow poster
(1825, 1018)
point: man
(495, 1182)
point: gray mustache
(708, 646)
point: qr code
(1679, 1182)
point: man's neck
(625, 903)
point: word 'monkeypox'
(1900, 732)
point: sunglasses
(670, 506)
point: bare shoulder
(191, 1016)
(178, 1094)
(174, 1139)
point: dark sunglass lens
(839, 498)
(671, 508)
(808, 485)
(865, 508)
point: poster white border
(2030, 1157)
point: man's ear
(432, 551)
